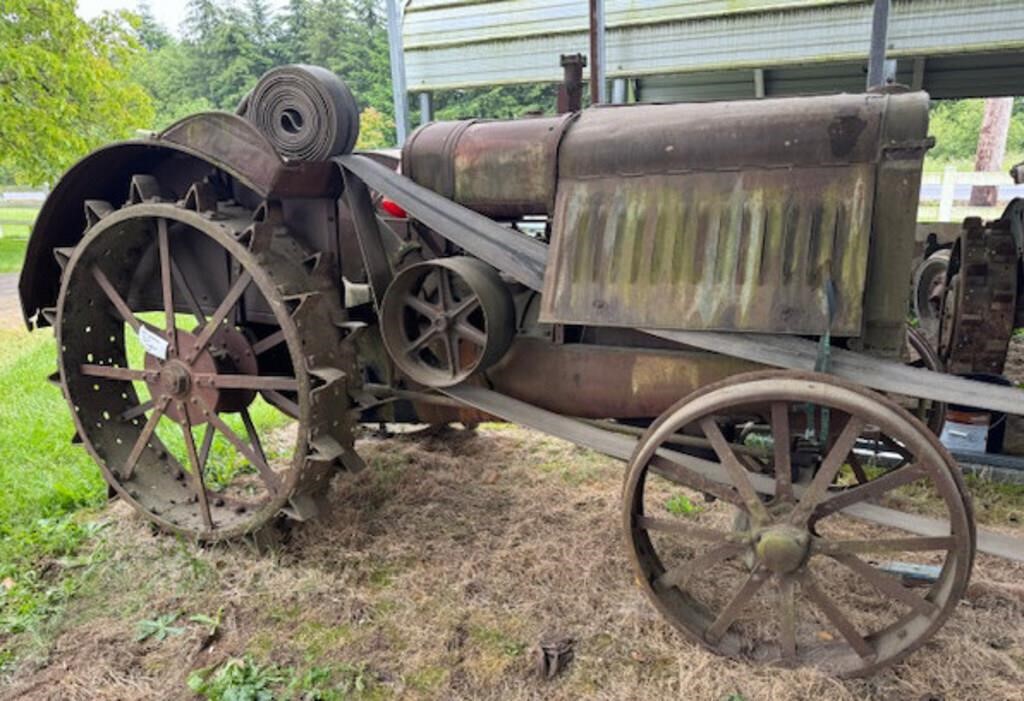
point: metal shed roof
(461, 43)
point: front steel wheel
(793, 580)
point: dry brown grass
(440, 569)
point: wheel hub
(175, 378)
(782, 548)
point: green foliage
(376, 129)
(246, 679)
(329, 683)
(227, 46)
(499, 102)
(159, 628)
(64, 88)
(681, 505)
(955, 124)
(212, 623)
(35, 561)
(237, 680)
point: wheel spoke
(444, 290)
(887, 545)
(109, 372)
(422, 340)
(780, 441)
(737, 473)
(204, 449)
(165, 286)
(885, 584)
(190, 298)
(732, 610)
(254, 437)
(264, 344)
(137, 410)
(465, 307)
(858, 468)
(230, 300)
(827, 470)
(115, 298)
(451, 349)
(253, 382)
(787, 619)
(283, 403)
(837, 617)
(422, 306)
(678, 575)
(666, 468)
(147, 431)
(471, 334)
(874, 488)
(198, 483)
(679, 527)
(270, 479)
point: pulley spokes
(445, 319)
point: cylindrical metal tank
(501, 169)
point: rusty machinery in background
(620, 277)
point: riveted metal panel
(720, 216)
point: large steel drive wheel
(183, 388)
(793, 580)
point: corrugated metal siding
(945, 77)
(482, 43)
(439, 23)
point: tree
(64, 88)
(152, 35)
(995, 127)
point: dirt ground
(438, 572)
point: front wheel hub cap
(782, 549)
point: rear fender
(196, 147)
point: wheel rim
(173, 425)
(929, 411)
(792, 554)
(445, 319)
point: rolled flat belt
(306, 112)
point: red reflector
(393, 209)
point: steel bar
(622, 447)
(397, 56)
(510, 251)
(597, 53)
(879, 37)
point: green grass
(49, 487)
(44, 481)
(16, 222)
(12, 254)
(15, 227)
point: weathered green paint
(735, 216)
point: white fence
(950, 186)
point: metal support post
(879, 39)
(398, 91)
(598, 89)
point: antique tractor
(232, 296)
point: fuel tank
(504, 169)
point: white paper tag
(155, 345)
